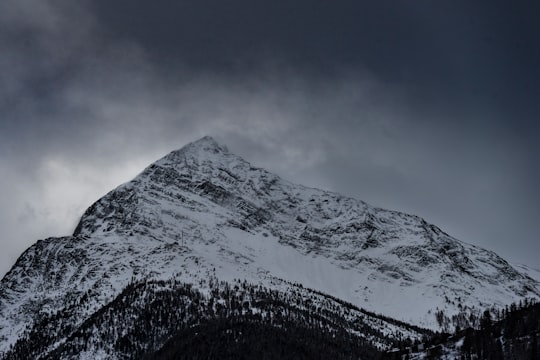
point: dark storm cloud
(467, 51)
(427, 107)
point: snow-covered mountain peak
(202, 210)
(204, 160)
(204, 148)
(205, 144)
(204, 192)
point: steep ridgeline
(201, 211)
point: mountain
(202, 216)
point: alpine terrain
(204, 255)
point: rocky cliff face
(203, 212)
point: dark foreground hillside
(174, 320)
(515, 336)
(244, 338)
(512, 334)
(155, 319)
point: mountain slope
(201, 211)
(512, 334)
(165, 316)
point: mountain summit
(202, 213)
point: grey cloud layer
(95, 91)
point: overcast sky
(429, 107)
